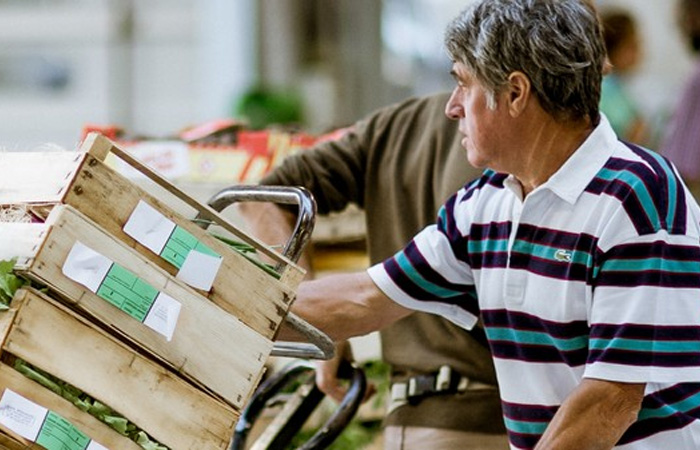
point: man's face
(483, 128)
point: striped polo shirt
(596, 273)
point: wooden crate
(208, 347)
(51, 337)
(82, 180)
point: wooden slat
(96, 430)
(8, 443)
(173, 412)
(36, 177)
(209, 345)
(240, 287)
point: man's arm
(594, 416)
(344, 305)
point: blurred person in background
(624, 47)
(682, 141)
(400, 164)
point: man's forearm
(594, 416)
(344, 305)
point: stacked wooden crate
(121, 320)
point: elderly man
(579, 252)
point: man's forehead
(459, 71)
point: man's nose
(453, 110)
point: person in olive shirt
(399, 165)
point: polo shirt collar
(571, 179)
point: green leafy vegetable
(85, 403)
(9, 283)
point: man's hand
(327, 378)
(594, 416)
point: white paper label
(199, 270)
(20, 415)
(86, 266)
(149, 227)
(163, 315)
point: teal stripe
(666, 265)
(487, 245)
(637, 184)
(672, 192)
(536, 338)
(685, 405)
(442, 215)
(548, 252)
(519, 426)
(640, 345)
(418, 279)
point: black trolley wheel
(282, 437)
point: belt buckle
(441, 382)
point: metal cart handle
(320, 346)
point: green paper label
(59, 434)
(127, 292)
(179, 245)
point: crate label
(123, 289)
(40, 425)
(197, 263)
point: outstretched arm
(344, 305)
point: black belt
(445, 381)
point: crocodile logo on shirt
(562, 255)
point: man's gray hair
(557, 44)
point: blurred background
(155, 67)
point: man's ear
(518, 93)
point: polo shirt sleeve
(431, 274)
(645, 311)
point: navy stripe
(648, 427)
(657, 249)
(490, 231)
(654, 278)
(421, 266)
(446, 220)
(644, 358)
(537, 353)
(521, 440)
(630, 202)
(465, 301)
(525, 322)
(678, 226)
(528, 413)
(551, 269)
(580, 242)
(534, 352)
(490, 178)
(489, 260)
(646, 332)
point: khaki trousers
(418, 438)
